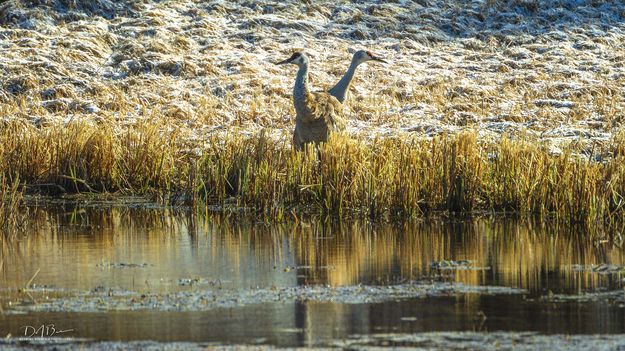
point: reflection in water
(74, 249)
(78, 248)
(518, 253)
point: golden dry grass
(494, 66)
(399, 176)
(484, 106)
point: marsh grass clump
(412, 176)
(83, 157)
(400, 176)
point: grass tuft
(402, 176)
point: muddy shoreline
(422, 341)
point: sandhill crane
(339, 91)
(318, 113)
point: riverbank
(485, 106)
(401, 177)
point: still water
(74, 248)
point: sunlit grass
(402, 176)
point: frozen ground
(554, 69)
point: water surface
(163, 250)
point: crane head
(297, 58)
(373, 57)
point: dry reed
(401, 176)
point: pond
(89, 269)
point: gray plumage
(339, 91)
(317, 114)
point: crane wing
(327, 107)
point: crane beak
(375, 58)
(285, 61)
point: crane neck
(300, 89)
(339, 91)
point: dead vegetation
(499, 105)
(396, 176)
(496, 66)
